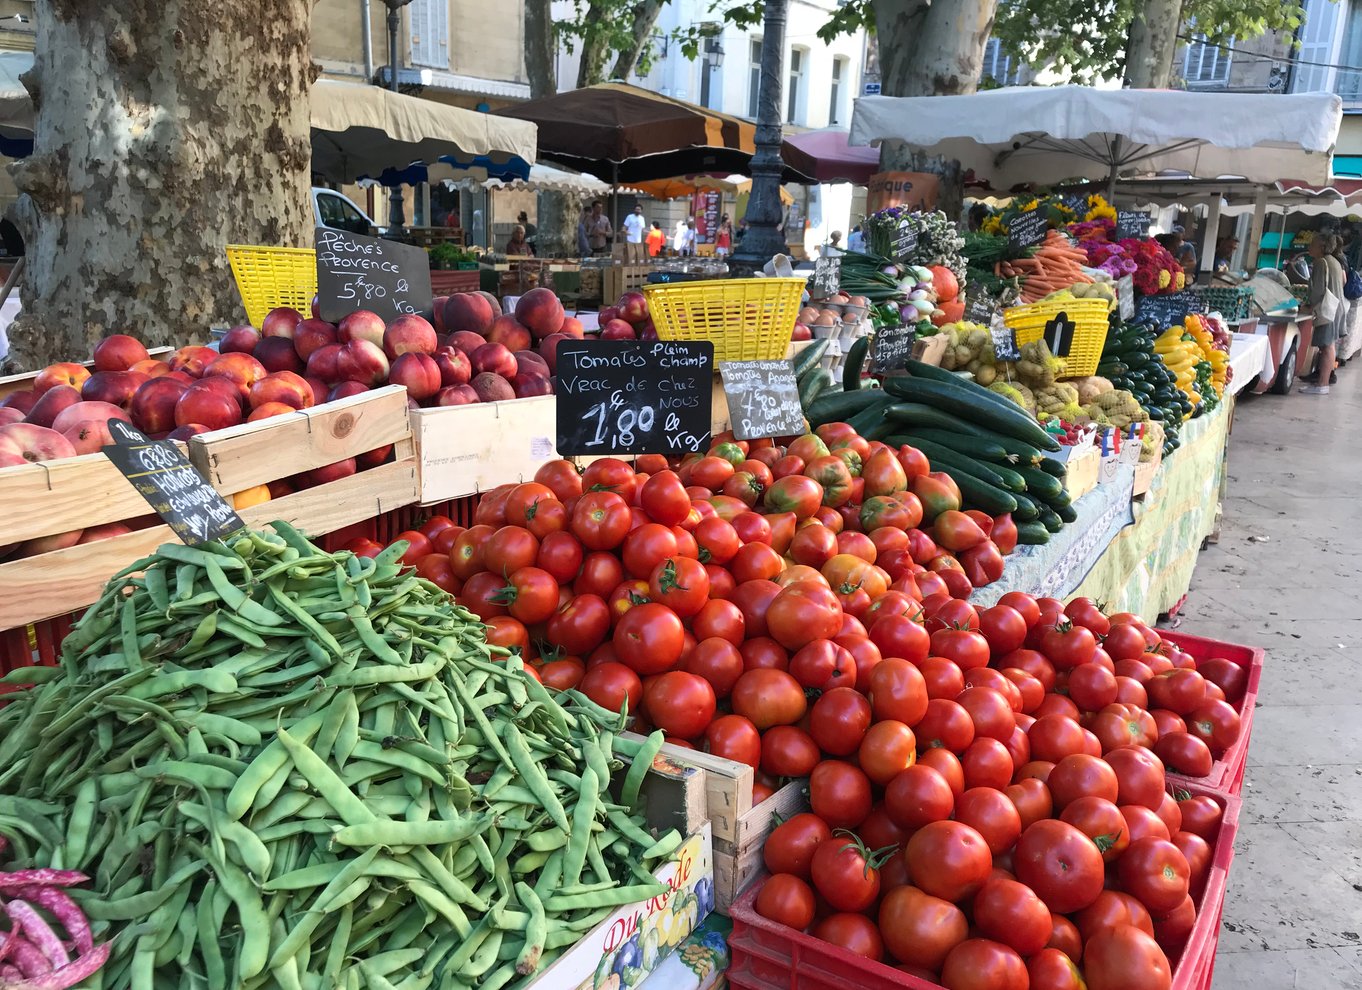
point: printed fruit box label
(620, 952)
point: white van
(333, 209)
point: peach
(65, 373)
(492, 301)
(202, 403)
(469, 311)
(548, 350)
(373, 458)
(346, 389)
(492, 387)
(10, 414)
(409, 335)
(24, 443)
(242, 370)
(46, 544)
(633, 307)
(114, 387)
(456, 395)
(23, 399)
(186, 431)
(455, 368)
(282, 387)
(326, 473)
(324, 364)
(239, 340)
(541, 311)
(572, 327)
(362, 361)
(361, 325)
(418, 372)
(495, 358)
(531, 363)
(437, 315)
(118, 352)
(618, 330)
(529, 383)
(267, 409)
(81, 411)
(89, 436)
(192, 360)
(280, 322)
(224, 386)
(51, 403)
(319, 390)
(153, 405)
(278, 354)
(466, 340)
(312, 335)
(508, 330)
(105, 532)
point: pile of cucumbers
(1130, 362)
(991, 448)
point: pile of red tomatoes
(994, 814)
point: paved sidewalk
(1287, 576)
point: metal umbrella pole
(763, 239)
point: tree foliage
(1086, 40)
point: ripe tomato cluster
(995, 815)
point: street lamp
(395, 212)
(763, 240)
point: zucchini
(973, 404)
(1041, 484)
(1051, 466)
(806, 359)
(851, 371)
(812, 385)
(979, 494)
(1032, 534)
(977, 447)
(838, 406)
(920, 417)
(869, 417)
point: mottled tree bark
(931, 48)
(1153, 39)
(165, 130)
(595, 46)
(539, 48)
(645, 15)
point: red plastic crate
(771, 956)
(1227, 773)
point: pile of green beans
(289, 768)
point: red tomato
(1054, 737)
(794, 493)
(646, 547)
(946, 726)
(530, 595)
(1215, 723)
(1080, 775)
(918, 796)
(1024, 604)
(802, 613)
(681, 584)
(664, 498)
(601, 519)
(1125, 958)
(561, 555)
(948, 860)
(989, 710)
(418, 546)
(580, 626)
(918, 929)
(562, 675)
(864, 654)
(887, 749)
(902, 637)
(839, 720)
(600, 575)
(788, 751)
(1061, 864)
(562, 477)
(481, 595)
(610, 685)
(1051, 969)
(502, 630)
(853, 932)
(1068, 645)
(988, 811)
(649, 640)
(1113, 909)
(626, 595)
(763, 652)
(839, 793)
(609, 474)
(1032, 800)
(717, 661)
(717, 539)
(1156, 872)
(1184, 753)
(436, 568)
(753, 599)
(791, 845)
(982, 964)
(943, 678)
(768, 697)
(1201, 816)
(1140, 776)
(786, 900)
(491, 510)
(823, 665)
(755, 562)
(843, 875)
(813, 545)
(1100, 820)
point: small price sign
(171, 485)
(763, 398)
(980, 309)
(1132, 223)
(356, 272)
(1059, 334)
(634, 396)
(1125, 298)
(1026, 229)
(827, 278)
(1004, 339)
(904, 243)
(894, 347)
(1076, 201)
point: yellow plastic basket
(1088, 315)
(268, 277)
(748, 319)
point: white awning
(454, 82)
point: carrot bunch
(1056, 265)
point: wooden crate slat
(51, 584)
(728, 787)
(241, 457)
(737, 864)
(469, 449)
(56, 496)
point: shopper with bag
(1326, 305)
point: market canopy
(688, 185)
(362, 130)
(1047, 134)
(1339, 197)
(827, 156)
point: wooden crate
(17, 383)
(464, 450)
(1081, 476)
(446, 282)
(620, 279)
(80, 492)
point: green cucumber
(809, 357)
(938, 453)
(975, 405)
(1032, 533)
(979, 494)
(838, 406)
(918, 417)
(1040, 483)
(812, 385)
(869, 417)
(976, 447)
(1026, 509)
(1067, 512)
(1050, 520)
(851, 371)
(1051, 466)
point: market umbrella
(1048, 134)
(826, 156)
(361, 130)
(688, 185)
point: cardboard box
(1081, 476)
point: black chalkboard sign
(980, 308)
(1004, 339)
(171, 485)
(894, 347)
(1077, 202)
(904, 243)
(634, 396)
(763, 399)
(827, 278)
(1059, 334)
(382, 276)
(1164, 311)
(1132, 223)
(1026, 229)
